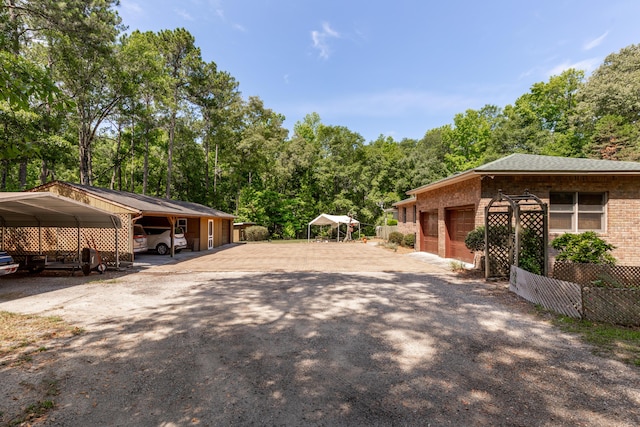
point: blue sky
(397, 68)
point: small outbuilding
(205, 228)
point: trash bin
(196, 244)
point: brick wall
(622, 211)
(461, 194)
(407, 219)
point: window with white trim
(577, 211)
(182, 223)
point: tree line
(85, 101)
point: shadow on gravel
(337, 349)
(23, 284)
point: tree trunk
(3, 175)
(215, 173)
(145, 172)
(116, 172)
(85, 160)
(206, 165)
(172, 130)
(84, 146)
(133, 157)
(22, 175)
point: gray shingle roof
(152, 205)
(531, 164)
(409, 200)
(550, 164)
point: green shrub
(531, 252)
(475, 240)
(586, 248)
(396, 237)
(409, 240)
(256, 233)
(392, 222)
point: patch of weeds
(77, 331)
(51, 386)
(389, 245)
(457, 266)
(48, 388)
(618, 342)
(32, 412)
(20, 331)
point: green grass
(617, 342)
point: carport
(22, 213)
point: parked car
(7, 265)
(140, 243)
(159, 239)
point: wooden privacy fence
(383, 231)
(618, 305)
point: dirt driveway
(306, 334)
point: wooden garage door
(429, 224)
(459, 223)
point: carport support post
(115, 230)
(79, 250)
(172, 221)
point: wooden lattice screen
(65, 244)
(617, 276)
(515, 234)
(499, 245)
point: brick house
(407, 216)
(582, 195)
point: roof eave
(445, 182)
(95, 195)
(470, 174)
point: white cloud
(588, 65)
(131, 7)
(319, 39)
(184, 14)
(595, 42)
(217, 6)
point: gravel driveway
(308, 334)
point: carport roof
(23, 209)
(146, 205)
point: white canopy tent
(334, 221)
